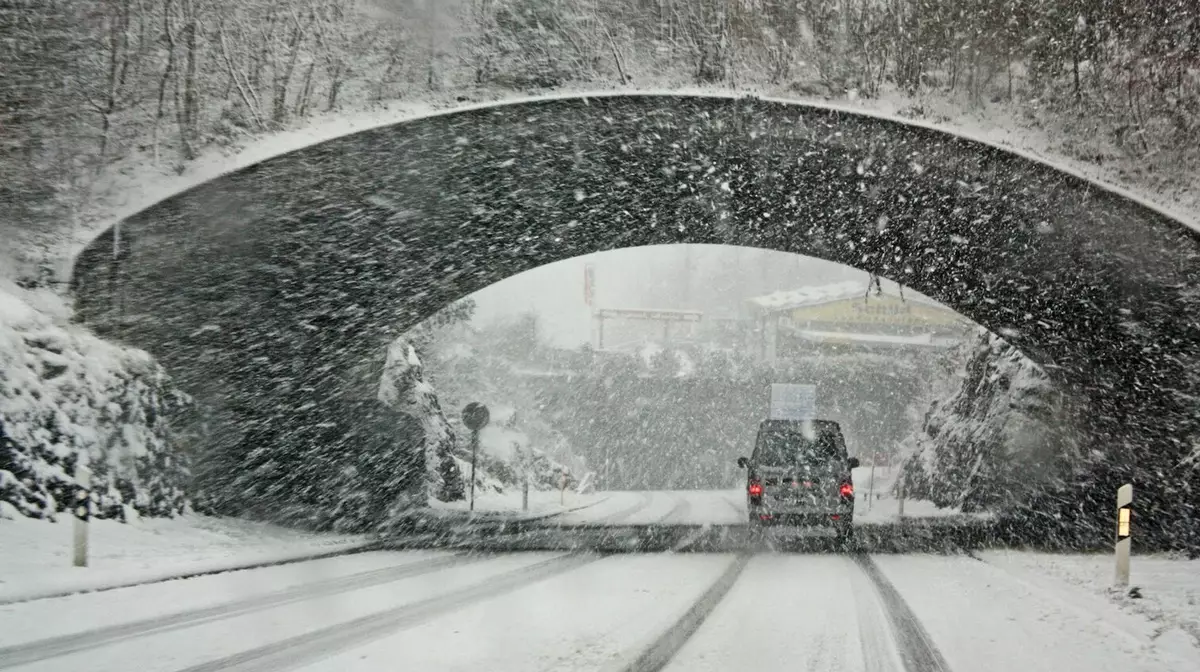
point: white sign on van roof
(793, 401)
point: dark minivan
(799, 474)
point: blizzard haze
(721, 277)
(219, 452)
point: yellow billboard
(884, 309)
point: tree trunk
(263, 55)
(305, 96)
(335, 87)
(168, 71)
(186, 101)
(118, 65)
(247, 95)
(1075, 74)
(283, 79)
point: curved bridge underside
(271, 292)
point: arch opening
(650, 369)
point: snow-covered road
(718, 507)
(518, 612)
(677, 507)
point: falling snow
(259, 256)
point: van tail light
(847, 490)
(754, 489)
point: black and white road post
(1124, 522)
(475, 416)
(82, 511)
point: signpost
(1124, 525)
(793, 402)
(589, 284)
(475, 416)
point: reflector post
(1124, 529)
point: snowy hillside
(69, 398)
(37, 556)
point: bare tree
(300, 20)
(187, 96)
(336, 40)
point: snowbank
(69, 398)
(542, 503)
(503, 443)
(36, 561)
(880, 504)
(1169, 588)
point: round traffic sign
(475, 416)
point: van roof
(772, 422)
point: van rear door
(798, 468)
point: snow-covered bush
(512, 455)
(404, 388)
(493, 366)
(69, 398)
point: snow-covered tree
(67, 399)
(404, 388)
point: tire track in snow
(880, 652)
(312, 646)
(914, 645)
(644, 500)
(53, 647)
(655, 656)
(738, 506)
(678, 512)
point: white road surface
(794, 613)
(525, 612)
(680, 507)
(725, 507)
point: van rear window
(786, 447)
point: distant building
(846, 317)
